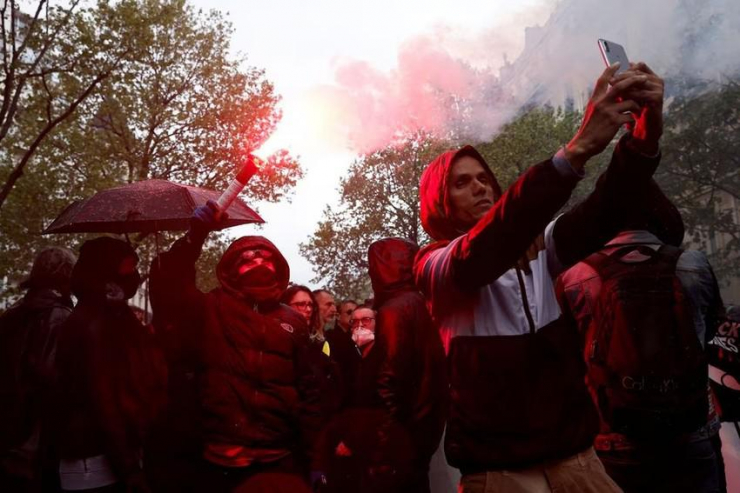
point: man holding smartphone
(521, 419)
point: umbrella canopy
(144, 207)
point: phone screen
(613, 52)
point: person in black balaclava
(249, 355)
(111, 377)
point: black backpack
(645, 362)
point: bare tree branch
(9, 109)
(49, 100)
(18, 170)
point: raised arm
(176, 301)
(588, 226)
(503, 235)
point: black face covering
(259, 283)
(129, 284)
(257, 276)
(98, 272)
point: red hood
(225, 269)
(436, 213)
(391, 265)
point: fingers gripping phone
(612, 52)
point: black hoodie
(411, 382)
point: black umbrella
(144, 207)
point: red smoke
(429, 90)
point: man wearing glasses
(363, 329)
(344, 315)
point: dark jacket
(578, 290)
(111, 385)
(516, 376)
(111, 375)
(346, 356)
(397, 415)
(251, 361)
(411, 381)
(28, 344)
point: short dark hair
(322, 290)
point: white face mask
(363, 336)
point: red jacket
(256, 388)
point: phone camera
(606, 46)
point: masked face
(130, 284)
(127, 280)
(363, 326)
(363, 336)
(256, 268)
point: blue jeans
(692, 467)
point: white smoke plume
(451, 82)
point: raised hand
(648, 125)
(206, 218)
(606, 112)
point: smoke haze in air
(450, 82)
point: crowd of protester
(555, 352)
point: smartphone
(613, 52)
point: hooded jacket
(111, 376)
(28, 344)
(411, 383)
(516, 376)
(258, 397)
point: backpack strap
(608, 264)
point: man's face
(363, 317)
(345, 314)
(470, 191)
(327, 308)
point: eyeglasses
(302, 304)
(258, 253)
(361, 321)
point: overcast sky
(300, 44)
